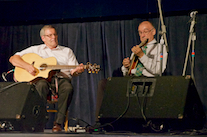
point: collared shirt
(63, 55)
(151, 60)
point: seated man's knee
(42, 83)
(66, 87)
(43, 87)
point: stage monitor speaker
(21, 109)
(168, 99)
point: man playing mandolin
(62, 79)
(144, 61)
(151, 58)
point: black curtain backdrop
(106, 43)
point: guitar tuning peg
(89, 71)
(92, 68)
(88, 63)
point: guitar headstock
(92, 68)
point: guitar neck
(63, 66)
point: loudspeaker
(22, 109)
(172, 100)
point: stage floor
(48, 133)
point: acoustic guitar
(44, 68)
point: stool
(55, 111)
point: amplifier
(22, 109)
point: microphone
(193, 22)
(143, 43)
(193, 13)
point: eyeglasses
(50, 35)
(145, 32)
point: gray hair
(42, 31)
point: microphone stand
(192, 38)
(163, 35)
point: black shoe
(94, 128)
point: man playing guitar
(62, 80)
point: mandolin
(135, 60)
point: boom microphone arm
(163, 36)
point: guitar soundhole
(43, 67)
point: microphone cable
(4, 74)
(121, 115)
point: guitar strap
(55, 95)
(58, 74)
(56, 84)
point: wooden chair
(54, 110)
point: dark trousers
(65, 92)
